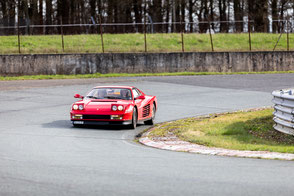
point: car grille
(103, 117)
(146, 110)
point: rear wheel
(134, 119)
(151, 121)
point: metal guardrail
(284, 111)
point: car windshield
(110, 93)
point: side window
(139, 93)
(135, 93)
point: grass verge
(251, 130)
(134, 42)
(98, 75)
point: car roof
(128, 87)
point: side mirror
(78, 96)
(140, 97)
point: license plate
(78, 122)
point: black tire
(134, 119)
(151, 121)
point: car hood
(103, 105)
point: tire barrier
(284, 111)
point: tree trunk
(138, 13)
(5, 15)
(167, 18)
(178, 19)
(275, 15)
(191, 5)
(174, 19)
(282, 17)
(156, 14)
(183, 8)
(223, 16)
(211, 17)
(11, 15)
(203, 17)
(238, 16)
(258, 12)
(40, 16)
(127, 12)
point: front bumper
(88, 122)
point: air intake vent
(146, 110)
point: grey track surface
(42, 154)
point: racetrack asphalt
(42, 154)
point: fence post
(62, 39)
(18, 35)
(211, 42)
(249, 33)
(101, 33)
(279, 37)
(145, 38)
(182, 35)
(287, 35)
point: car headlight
(81, 107)
(75, 107)
(120, 108)
(114, 107)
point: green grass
(98, 75)
(135, 43)
(241, 131)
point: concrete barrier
(284, 111)
(145, 62)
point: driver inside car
(101, 93)
(125, 94)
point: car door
(138, 102)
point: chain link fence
(94, 36)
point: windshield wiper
(92, 97)
(111, 97)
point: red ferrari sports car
(114, 105)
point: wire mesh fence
(148, 36)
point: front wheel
(151, 121)
(134, 119)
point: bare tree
(238, 15)
(132, 11)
